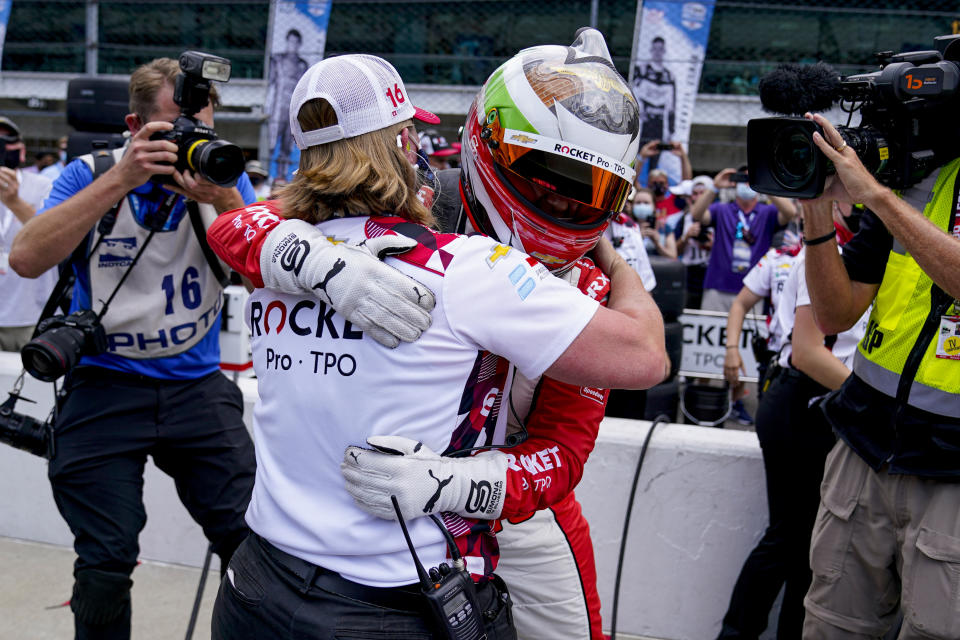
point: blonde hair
(145, 83)
(363, 175)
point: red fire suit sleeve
(237, 237)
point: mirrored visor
(566, 190)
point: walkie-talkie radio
(449, 591)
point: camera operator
(888, 511)
(21, 193)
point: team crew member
(795, 439)
(299, 486)
(888, 508)
(766, 279)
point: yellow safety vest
(897, 356)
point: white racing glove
(383, 302)
(423, 481)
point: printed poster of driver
(297, 40)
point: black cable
(196, 601)
(626, 522)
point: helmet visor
(566, 190)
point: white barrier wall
(700, 507)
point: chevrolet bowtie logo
(519, 137)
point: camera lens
(218, 161)
(52, 353)
(792, 154)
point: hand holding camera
(146, 157)
(724, 179)
(852, 182)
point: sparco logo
(292, 259)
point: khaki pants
(880, 542)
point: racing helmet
(548, 150)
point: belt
(405, 598)
(799, 377)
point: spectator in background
(743, 230)
(41, 160)
(439, 152)
(21, 194)
(693, 239)
(648, 155)
(259, 179)
(54, 170)
(624, 234)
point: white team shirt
(628, 242)
(23, 298)
(323, 386)
(795, 294)
(768, 278)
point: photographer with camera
(21, 194)
(147, 379)
(888, 512)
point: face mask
(63, 157)
(641, 210)
(659, 189)
(744, 192)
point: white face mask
(641, 210)
(744, 192)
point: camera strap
(103, 160)
(212, 260)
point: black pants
(795, 441)
(270, 595)
(107, 425)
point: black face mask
(659, 189)
(11, 159)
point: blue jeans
(269, 595)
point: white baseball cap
(366, 93)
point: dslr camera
(25, 433)
(908, 120)
(198, 147)
(60, 342)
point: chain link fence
(443, 50)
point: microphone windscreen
(793, 89)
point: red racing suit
(542, 530)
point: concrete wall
(699, 508)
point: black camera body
(60, 342)
(907, 128)
(198, 147)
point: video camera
(198, 148)
(908, 120)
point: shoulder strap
(100, 161)
(197, 222)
